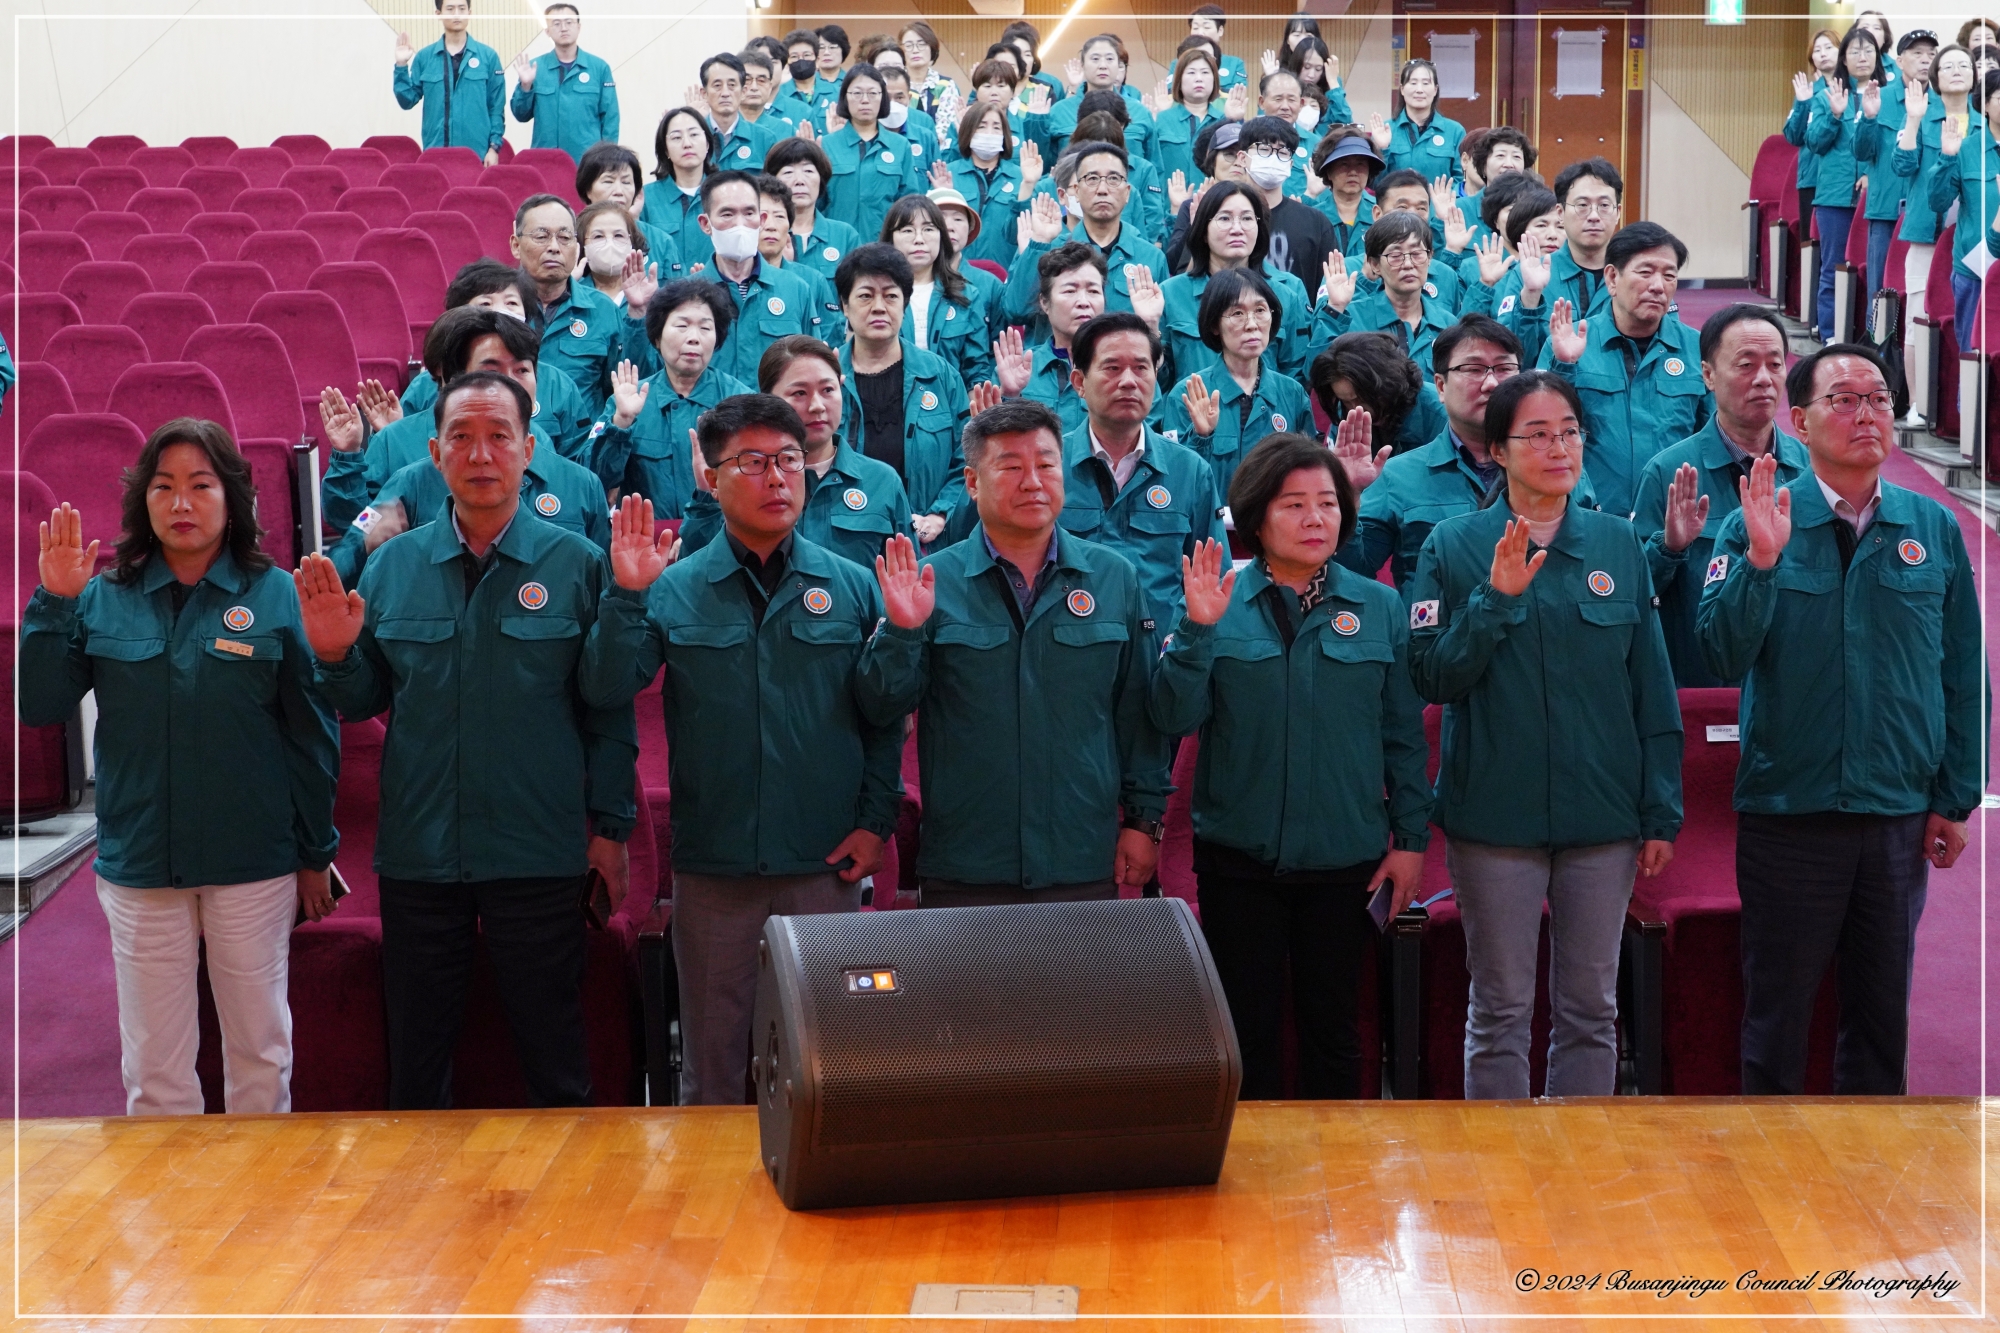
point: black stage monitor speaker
(982, 1052)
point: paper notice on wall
(1579, 62)
(1456, 56)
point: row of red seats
(163, 165)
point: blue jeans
(1965, 307)
(1834, 224)
(1880, 235)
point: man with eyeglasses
(784, 793)
(580, 327)
(1635, 365)
(460, 83)
(1301, 235)
(1592, 195)
(1098, 189)
(566, 92)
(1398, 245)
(1847, 606)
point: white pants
(154, 938)
(1916, 281)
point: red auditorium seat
(456, 239)
(255, 371)
(107, 234)
(112, 186)
(210, 150)
(366, 295)
(319, 186)
(277, 504)
(288, 256)
(165, 208)
(8, 278)
(1936, 393)
(91, 358)
(230, 288)
(221, 234)
(46, 257)
(420, 183)
(103, 288)
(81, 457)
(25, 147)
(13, 222)
(39, 315)
(272, 209)
(314, 331)
(377, 205)
(166, 320)
(263, 167)
(115, 150)
(63, 165)
(518, 182)
(412, 260)
(491, 215)
(167, 257)
(154, 393)
(57, 207)
(460, 165)
(337, 233)
(28, 505)
(162, 167)
(394, 147)
(216, 187)
(557, 168)
(307, 150)
(361, 166)
(40, 392)
(17, 181)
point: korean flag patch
(1718, 570)
(1506, 304)
(1423, 615)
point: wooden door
(1582, 104)
(1462, 46)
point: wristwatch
(1152, 828)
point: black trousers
(534, 936)
(1253, 927)
(1817, 889)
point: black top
(881, 396)
(765, 575)
(1301, 237)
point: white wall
(1709, 219)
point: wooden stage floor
(1335, 1215)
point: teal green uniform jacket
(494, 767)
(1430, 152)
(560, 411)
(1180, 326)
(1351, 237)
(8, 375)
(958, 335)
(852, 511)
(743, 148)
(1677, 575)
(1797, 121)
(1049, 384)
(1887, 189)
(571, 107)
(1174, 133)
(776, 304)
(582, 336)
(831, 238)
(934, 415)
(1146, 205)
(1024, 281)
(1138, 133)
(1843, 146)
(832, 323)
(1971, 180)
(653, 456)
(1374, 314)
(772, 761)
(1920, 220)
(465, 109)
(1231, 73)
(1628, 417)
(1561, 726)
(1034, 737)
(1277, 404)
(1582, 287)
(1169, 505)
(1300, 743)
(216, 757)
(674, 212)
(999, 200)
(868, 176)
(1865, 691)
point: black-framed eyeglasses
(1474, 371)
(753, 464)
(1849, 404)
(1542, 440)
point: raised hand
(638, 557)
(1163, 93)
(1568, 336)
(1315, 185)
(524, 70)
(1207, 580)
(1802, 87)
(1338, 284)
(1687, 508)
(834, 120)
(1443, 196)
(984, 397)
(382, 408)
(1149, 300)
(804, 131)
(405, 53)
(1534, 271)
(1767, 510)
(909, 591)
(66, 563)
(1512, 570)
(1916, 101)
(1871, 100)
(1045, 219)
(1354, 447)
(1038, 100)
(1494, 261)
(628, 395)
(1949, 137)
(340, 420)
(1204, 409)
(1073, 72)
(1836, 97)
(1269, 60)
(332, 617)
(1031, 165)
(1379, 132)
(639, 281)
(697, 98)
(1457, 233)
(1177, 190)
(940, 175)
(1332, 71)
(1012, 362)
(1236, 105)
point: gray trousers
(718, 920)
(1500, 893)
(953, 893)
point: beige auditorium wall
(166, 69)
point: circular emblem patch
(818, 601)
(472, 63)
(951, 312)
(831, 253)
(776, 305)
(854, 498)
(1431, 290)
(533, 596)
(240, 618)
(1081, 603)
(577, 328)
(548, 504)
(1159, 497)
(1909, 548)
(929, 401)
(1675, 365)
(1346, 623)
(1007, 187)
(888, 158)
(1277, 421)
(1437, 141)
(743, 152)
(1600, 583)
(584, 77)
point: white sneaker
(1914, 421)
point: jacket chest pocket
(826, 633)
(1087, 650)
(1910, 597)
(544, 647)
(1163, 528)
(865, 522)
(1607, 622)
(1805, 582)
(1080, 519)
(886, 164)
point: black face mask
(802, 69)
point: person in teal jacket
(1399, 246)
(1100, 191)
(1560, 768)
(1592, 196)
(567, 94)
(1888, 189)
(1345, 163)
(1635, 364)
(1845, 133)
(684, 152)
(1917, 153)
(1222, 411)
(1027, 651)
(819, 242)
(871, 169)
(775, 243)
(1825, 58)
(460, 82)
(1072, 286)
(1689, 489)
(1231, 229)
(1106, 119)
(216, 762)
(954, 315)
(1104, 69)
(1848, 608)
(580, 326)
(1967, 168)
(501, 785)
(1370, 372)
(994, 180)
(1209, 21)
(1419, 139)
(785, 791)
(740, 143)
(1310, 790)
(1195, 85)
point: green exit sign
(1725, 12)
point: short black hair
(1264, 83)
(727, 59)
(482, 379)
(1018, 417)
(1268, 129)
(1391, 228)
(877, 259)
(1472, 328)
(790, 151)
(483, 277)
(448, 344)
(1079, 149)
(1595, 168)
(1383, 377)
(1628, 243)
(770, 187)
(739, 412)
(663, 167)
(1260, 477)
(1510, 393)
(1800, 379)
(1065, 257)
(848, 80)
(689, 291)
(1216, 12)
(778, 358)
(1099, 127)
(1527, 202)
(835, 35)
(601, 159)
(799, 37)
(1218, 193)
(1741, 312)
(1224, 290)
(1495, 137)
(1083, 346)
(1397, 179)
(535, 201)
(715, 180)
(754, 54)
(1109, 103)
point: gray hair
(1019, 417)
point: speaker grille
(1009, 1023)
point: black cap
(1915, 35)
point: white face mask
(1268, 173)
(734, 243)
(986, 143)
(1308, 114)
(895, 115)
(1076, 208)
(606, 257)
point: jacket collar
(521, 542)
(1715, 450)
(225, 574)
(978, 560)
(1569, 538)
